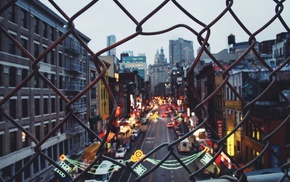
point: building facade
(36, 107)
(111, 39)
(130, 63)
(159, 72)
(266, 115)
(180, 52)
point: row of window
(255, 133)
(69, 83)
(22, 108)
(64, 60)
(23, 20)
(19, 139)
(50, 33)
(39, 164)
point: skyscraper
(180, 52)
(159, 71)
(134, 63)
(111, 39)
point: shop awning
(110, 136)
(105, 116)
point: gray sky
(106, 18)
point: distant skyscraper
(180, 52)
(134, 63)
(111, 39)
(159, 72)
(160, 58)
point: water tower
(231, 43)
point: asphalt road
(153, 134)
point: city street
(154, 133)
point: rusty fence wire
(202, 37)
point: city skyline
(121, 26)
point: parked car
(120, 153)
(170, 125)
(179, 133)
(135, 133)
(127, 145)
(144, 120)
(163, 115)
(138, 129)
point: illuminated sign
(226, 160)
(138, 154)
(65, 167)
(220, 128)
(234, 104)
(230, 144)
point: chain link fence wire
(202, 38)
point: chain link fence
(201, 106)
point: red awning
(101, 135)
(110, 136)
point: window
(11, 13)
(45, 106)
(12, 76)
(53, 124)
(52, 105)
(36, 81)
(60, 59)
(36, 50)
(37, 106)
(52, 78)
(93, 110)
(44, 82)
(45, 57)
(12, 108)
(24, 108)
(61, 104)
(52, 57)
(11, 46)
(13, 141)
(92, 75)
(36, 25)
(60, 34)
(93, 93)
(60, 82)
(27, 169)
(36, 165)
(45, 129)
(44, 29)
(37, 132)
(23, 18)
(24, 44)
(52, 33)
(24, 139)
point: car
(135, 133)
(127, 145)
(170, 125)
(138, 129)
(120, 153)
(144, 120)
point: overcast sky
(106, 18)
